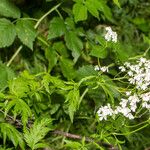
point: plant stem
(87, 139)
(51, 10)
(14, 55)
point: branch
(66, 134)
(87, 139)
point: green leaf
(7, 33)
(20, 107)
(19, 87)
(73, 145)
(73, 102)
(8, 9)
(85, 71)
(117, 3)
(61, 49)
(74, 43)
(26, 32)
(67, 68)
(101, 5)
(5, 75)
(34, 136)
(56, 28)
(99, 51)
(14, 135)
(80, 12)
(51, 56)
(92, 7)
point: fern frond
(13, 134)
(34, 136)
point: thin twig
(14, 55)
(51, 10)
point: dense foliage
(52, 85)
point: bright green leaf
(80, 12)
(117, 3)
(34, 136)
(8, 9)
(7, 33)
(26, 32)
(14, 135)
(101, 5)
(73, 102)
(92, 8)
(57, 28)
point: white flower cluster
(103, 69)
(139, 75)
(110, 35)
(126, 107)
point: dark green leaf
(67, 68)
(74, 43)
(5, 75)
(51, 56)
(57, 28)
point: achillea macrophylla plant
(137, 95)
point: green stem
(51, 10)
(14, 55)
(128, 133)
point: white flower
(110, 35)
(96, 68)
(104, 111)
(104, 69)
(128, 93)
(122, 68)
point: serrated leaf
(51, 56)
(8, 9)
(99, 51)
(57, 28)
(80, 12)
(85, 71)
(61, 49)
(74, 43)
(67, 68)
(92, 8)
(26, 32)
(7, 33)
(73, 102)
